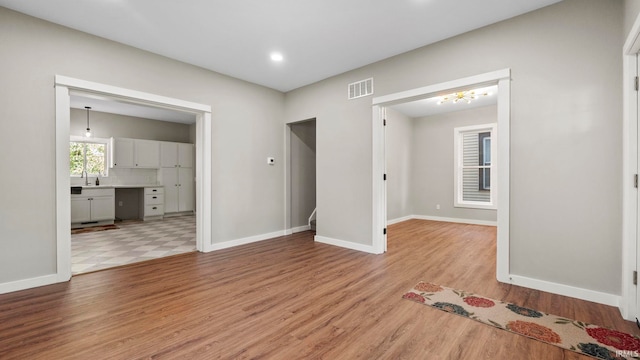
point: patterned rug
(94, 228)
(583, 338)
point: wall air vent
(360, 88)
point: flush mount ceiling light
(465, 96)
(276, 56)
(88, 133)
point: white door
(80, 210)
(122, 153)
(186, 197)
(170, 182)
(147, 154)
(168, 154)
(185, 155)
(637, 193)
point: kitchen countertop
(119, 186)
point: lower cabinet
(179, 194)
(93, 205)
(153, 202)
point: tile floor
(132, 242)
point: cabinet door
(122, 153)
(186, 192)
(103, 208)
(80, 210)
(185, 155)
(147, 153)
(168, 154)
(170, 182)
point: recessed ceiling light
(277, 57)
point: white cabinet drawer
(154, 199)
(154, 190)
(153, 210)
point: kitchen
(132, 174)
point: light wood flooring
(286, 298)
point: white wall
(246, 128)
(399, 152)
(631, 10)
(433, 163)
(566, 67)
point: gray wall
(631, 10)
(105, 125)
(246, 128)
(303, 171)
(400, 152)
(433, 164)
(565, 119)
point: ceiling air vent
(360, 88)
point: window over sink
(88, 155)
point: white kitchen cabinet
(135, 153)
(174, 154)
(93, 206)
(178, 189)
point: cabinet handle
(155, 197)
(154, 190)
(154, 208)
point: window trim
(457, 167)
(107, 152)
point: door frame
(64, 86)
(628, 302)
(500, 77)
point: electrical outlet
(119, 203)
(437, 206)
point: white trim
(628, 302)
(503, 79)
(456, 220)
(246, 240)
(346, 244)
(566, 290)
(400, 219)
(63, 86)
(298, 229)
(31, 283)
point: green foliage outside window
(91, 155)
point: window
(88, 155)
(474, 166)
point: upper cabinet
(176, 155)
(135, 153)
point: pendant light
(88, 133)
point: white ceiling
(318, 38)
(430, 106)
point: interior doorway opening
(301, 168)
(501, 79)
(65, 87)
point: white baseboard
(445, 219)
(243, 241)
(566, 290)
(30, 283)
(345, 244)
(299, 229)
(400, 219)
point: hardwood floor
(286, 298)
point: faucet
(85, 174)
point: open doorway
(65, 87)
(301, 169)
(126, 213)
(500, 186)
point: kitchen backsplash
(123, 177)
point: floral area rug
(583, 338)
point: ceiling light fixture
(465, 96)
(88, 133)
(277, 57)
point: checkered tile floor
(132, 242)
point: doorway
(301, 177)
(499, 78)
(64, 88)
